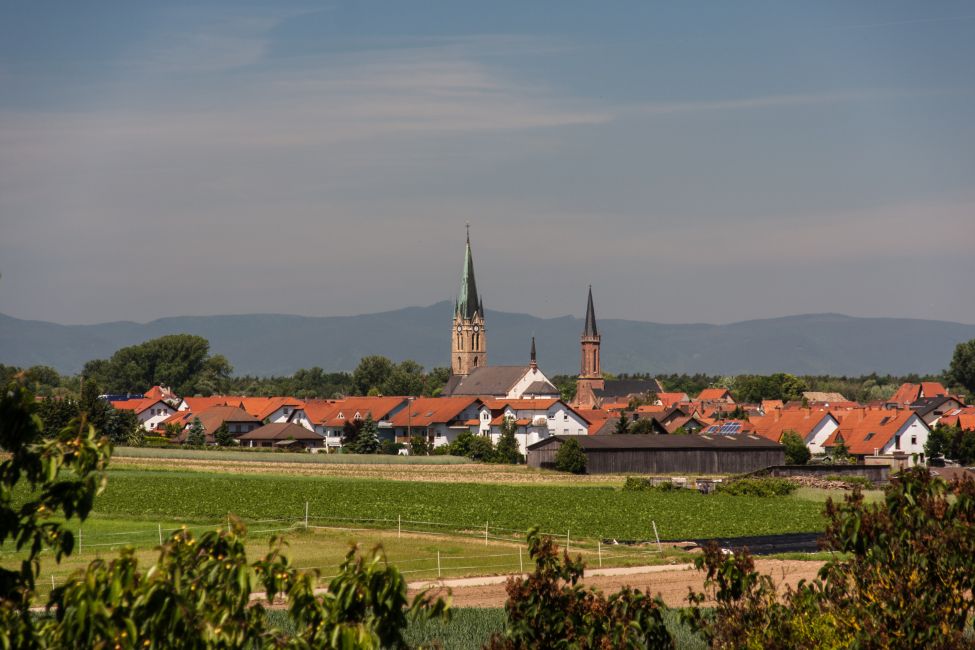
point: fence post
(438, 564)
(399, 526)
(52, 582)
(160, 534)
(521, 565)
(599, 550)
(306, 515)
(485, 533)
(567, 547)
(79, 539)
(659, 547)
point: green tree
(507, 450)
(796, 451)
(196, 435)
(461, 446)
(367, 442)
(181, 361)
(405, 378)
(223, 437)
(961, 371)
(481, 449)
(418, 445)
(902, 578)
(371, 373)
(643, 426)
(434, 382)
(953, 443)
(570, 457)
(622, 424)
(44, 484)
(550, 609)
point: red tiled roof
(426, 411)
(865, 430)
(669, 399)
(714, 395)
(138, 405)
(773, 425)
(542, 404)
(335, 413)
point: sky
(693, 161)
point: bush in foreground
(757, 487)
(570, 458)
(905, 581)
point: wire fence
(506, 548)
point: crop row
(586, 511)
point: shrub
(570, 458)
(904, 579)
(757, 487)
(642, 484)
(796, 451)
(550, 609)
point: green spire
(468, 304)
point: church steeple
(590, 328)
(534, 360)
(468, 336)
(468, 304)
(590, 375)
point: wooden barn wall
(668, 461)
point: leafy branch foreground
(907, 580)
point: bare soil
(673, 585)
(465, 473)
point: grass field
(585, 511)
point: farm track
(672, 584)
(463, 473)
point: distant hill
(265, 344)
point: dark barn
(665, 454)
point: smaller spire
(590, 328)
(534, 361)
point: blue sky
(694, 161)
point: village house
(236, 419)
(535, 419)
(151, 411)
(328, 418)
(909, 393)
(439, 419)
(814, 427)
(282, 435)
(881, 436)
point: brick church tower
(468, 349)
(591, 377)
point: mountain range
(268, 344)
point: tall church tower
(468, 348)
(590, 377)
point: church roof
(487, 380)
(590, 328)
(468, 302)
(541, 388)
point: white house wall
(820, 434)
(909, 439)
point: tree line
(184, 363)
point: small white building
(151, 412)
(536, 419)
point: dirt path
(672, 583)
(463, 473)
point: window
(869, 436)
(565, 416)
(914, 440)
(287, 411)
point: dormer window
(341, 415)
